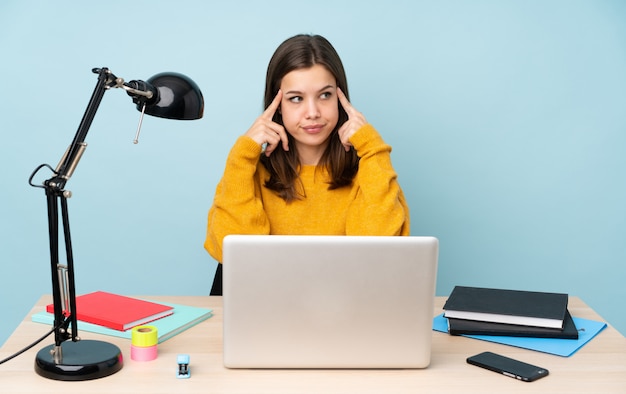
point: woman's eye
(326, 95)
(295, 99)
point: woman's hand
(355, 121)
(265, 131)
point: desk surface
(600, 366)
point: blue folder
(587, 330)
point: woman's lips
(313, 129)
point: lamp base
(82, 360)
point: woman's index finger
(344, 101)
(273, 107)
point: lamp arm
(69, 161)
(63, 285)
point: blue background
(507, 119)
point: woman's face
(309, 109)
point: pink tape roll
(139, 353)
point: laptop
(300, 301)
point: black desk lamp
(166, 95)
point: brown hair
(300, 52)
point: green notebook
(183, 318)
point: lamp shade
(176, 97)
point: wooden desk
(599, 367)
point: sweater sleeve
(379, 207)
(237, 207)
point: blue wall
(507, 118)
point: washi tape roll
(144, 336)
(140, 353)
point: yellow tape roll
(144, 336)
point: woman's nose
(312, 110)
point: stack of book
(485, 311)
(114, 314)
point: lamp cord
(30, 179)
(28, 347)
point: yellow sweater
(373, 205)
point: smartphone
(507, 366)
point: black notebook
(472, 327)
(527, 308)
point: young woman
(310, 164)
